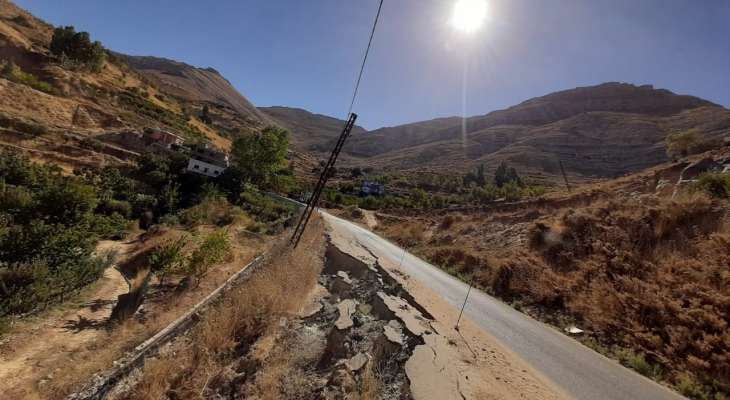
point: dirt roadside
(33, 352)
(468, 364)
(52, 355)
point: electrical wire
(365, 58)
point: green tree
(66, 43)
(505, 174)
(215, 248)
(205, 115)
(168, 258)
(258, 157)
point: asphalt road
(580, 371)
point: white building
(207, 160)
(204, 168)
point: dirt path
(33, 351)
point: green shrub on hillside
(214, 249)
(168, 258)
(715, 184)
(13, 73)
(49, 227)
(682, 144)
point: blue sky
(306, 53)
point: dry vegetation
(83, 353)
(208, 361)
(646, 276)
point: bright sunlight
(469, 15)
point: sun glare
(469, 15)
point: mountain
(59, 111)
(599, 131)
(310, 132)
(194, 84)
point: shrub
(109, 206)
(168, 258)
(215, 248)
(13, 73)
(214, 210)
(689, 387)
(77, 47)
(682, 144)
(263, 207)
(505, 174)
(715, 184)
(638, 362)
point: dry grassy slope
(90, 104)
(597, 132)
(626, 262)
(198, 85)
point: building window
(195, 166)
(205, 170)
(216, 172)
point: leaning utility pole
(326, 172)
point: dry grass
(369, 384)
(232, 326)
(647, 277)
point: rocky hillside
(61, 111)
(199, 86)
(597, 132)
(310, 132)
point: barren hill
(194, 84)
(597, 132)
(310, 132)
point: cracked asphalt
(581, 372)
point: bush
(13, 73)
(689, 387)
(168, 258)
(682, 144)
(214, 210)
(215, 248)
(49, 227)
(638, 362)
(715, 184)
(262, 207)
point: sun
(469, 15)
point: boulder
(697, 168)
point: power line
(328, 168)
(365, 58)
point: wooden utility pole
(326, 172)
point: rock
(695, 169)
(346, 309)
(393, 332)
(573, 330)
(357, 362)
(345, 277)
